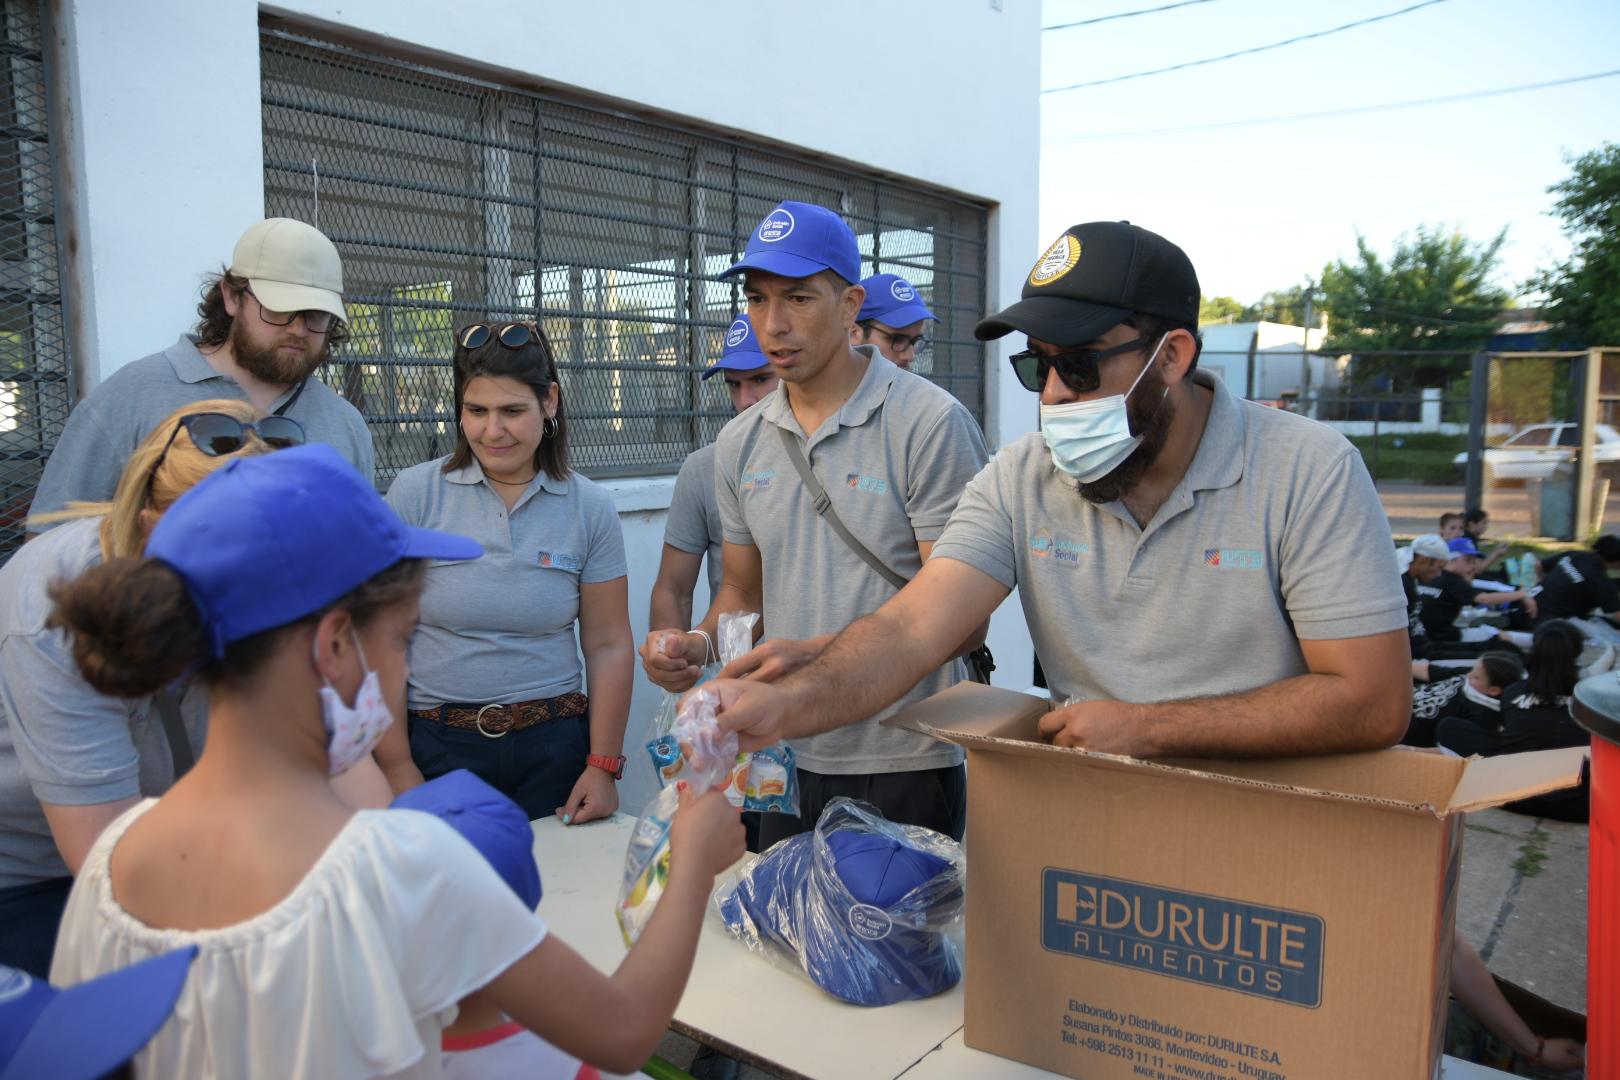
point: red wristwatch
(613, 766)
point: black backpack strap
(174, 729)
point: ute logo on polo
(737, 334)
(874, 485)
(778, 225)
(557, 560)
(1268, 952)
(902, 291)
(1058, 260)
(1234, 559)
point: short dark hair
(1450, 515)
(1502, 668)
(534, 365)
(1608, 548)
(214, 322)
(1554, 659)
(1155, 327)
(1475, 516)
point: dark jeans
(933, 798)
(30, 916)
(536, 768)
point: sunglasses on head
(218, 434)
(1080, 369)
(511, 335)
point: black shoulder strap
(168, 708)
(298, 392)
(824, 507)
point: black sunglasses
(512, 335)
(1080, 369)
(316, 322)
(218, 434)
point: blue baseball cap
(741, 352)
(1463, 545)
(798, 240)
(264, 541)
(88, 1030)
(893, 301)
(493, 824)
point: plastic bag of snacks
(868, 909)
(712, 757)
(765, 780)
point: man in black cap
(1181, 554)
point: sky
(1264, 206)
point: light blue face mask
(1090, 439)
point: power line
(1125, 15)
(1244, 52)
(1386, 106)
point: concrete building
(1267, 361)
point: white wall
(165, 137)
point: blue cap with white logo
(893, 301)
(798, 240)
(741, 352)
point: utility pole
(1305, 351)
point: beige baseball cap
(291, 266)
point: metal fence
(36, 388)
(453, 199)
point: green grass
(1423, 458)
(1533, 852)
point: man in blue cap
(693, 529)
(889, 453)
(893, 318)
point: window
(1536, 436)
(453, 199)
(36, 388)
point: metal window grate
(453, 199)
(36, 387)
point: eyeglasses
(901, 342)
(316, 322)
(511, 335)
(1080, 369)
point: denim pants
(933, 798)
(536, 768)
(30, 916)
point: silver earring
(550, 427)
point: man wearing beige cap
(266, 324)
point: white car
(1532, 453)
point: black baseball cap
(1092, 278)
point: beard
(272, 365)
(1151, 416)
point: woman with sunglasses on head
(331, 943)
(71, 758)
(497, 684)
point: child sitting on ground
(1474, 698)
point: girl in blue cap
(332, 943)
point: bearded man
(266, 323)
(1201, 575)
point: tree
(1279, 306)
(1218, 309)
(1584, 293)
(1433, 295)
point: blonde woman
(72, 759)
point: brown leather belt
(494, 720)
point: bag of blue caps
(765, 780)
(870, 910)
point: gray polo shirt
(60, 741)
(106, 427)
(501, 628)
(1274, 534)
(893, 459)
(694, 516)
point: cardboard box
(1282, 920)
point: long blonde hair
(153, 479)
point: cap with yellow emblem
(1092, 278)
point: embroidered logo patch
(902, 291)
(778, 225)
(557, 560)
(1058, 260)
(1234, 559)
(874, 485)
(1043, 545)
(758, 481)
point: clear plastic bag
(870, 910)
(712, 756)
(764, 780)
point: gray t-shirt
(893, 459)
(1275, 534)
(501, 628)
(106, 427)
(61, 742)
(694, 516)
